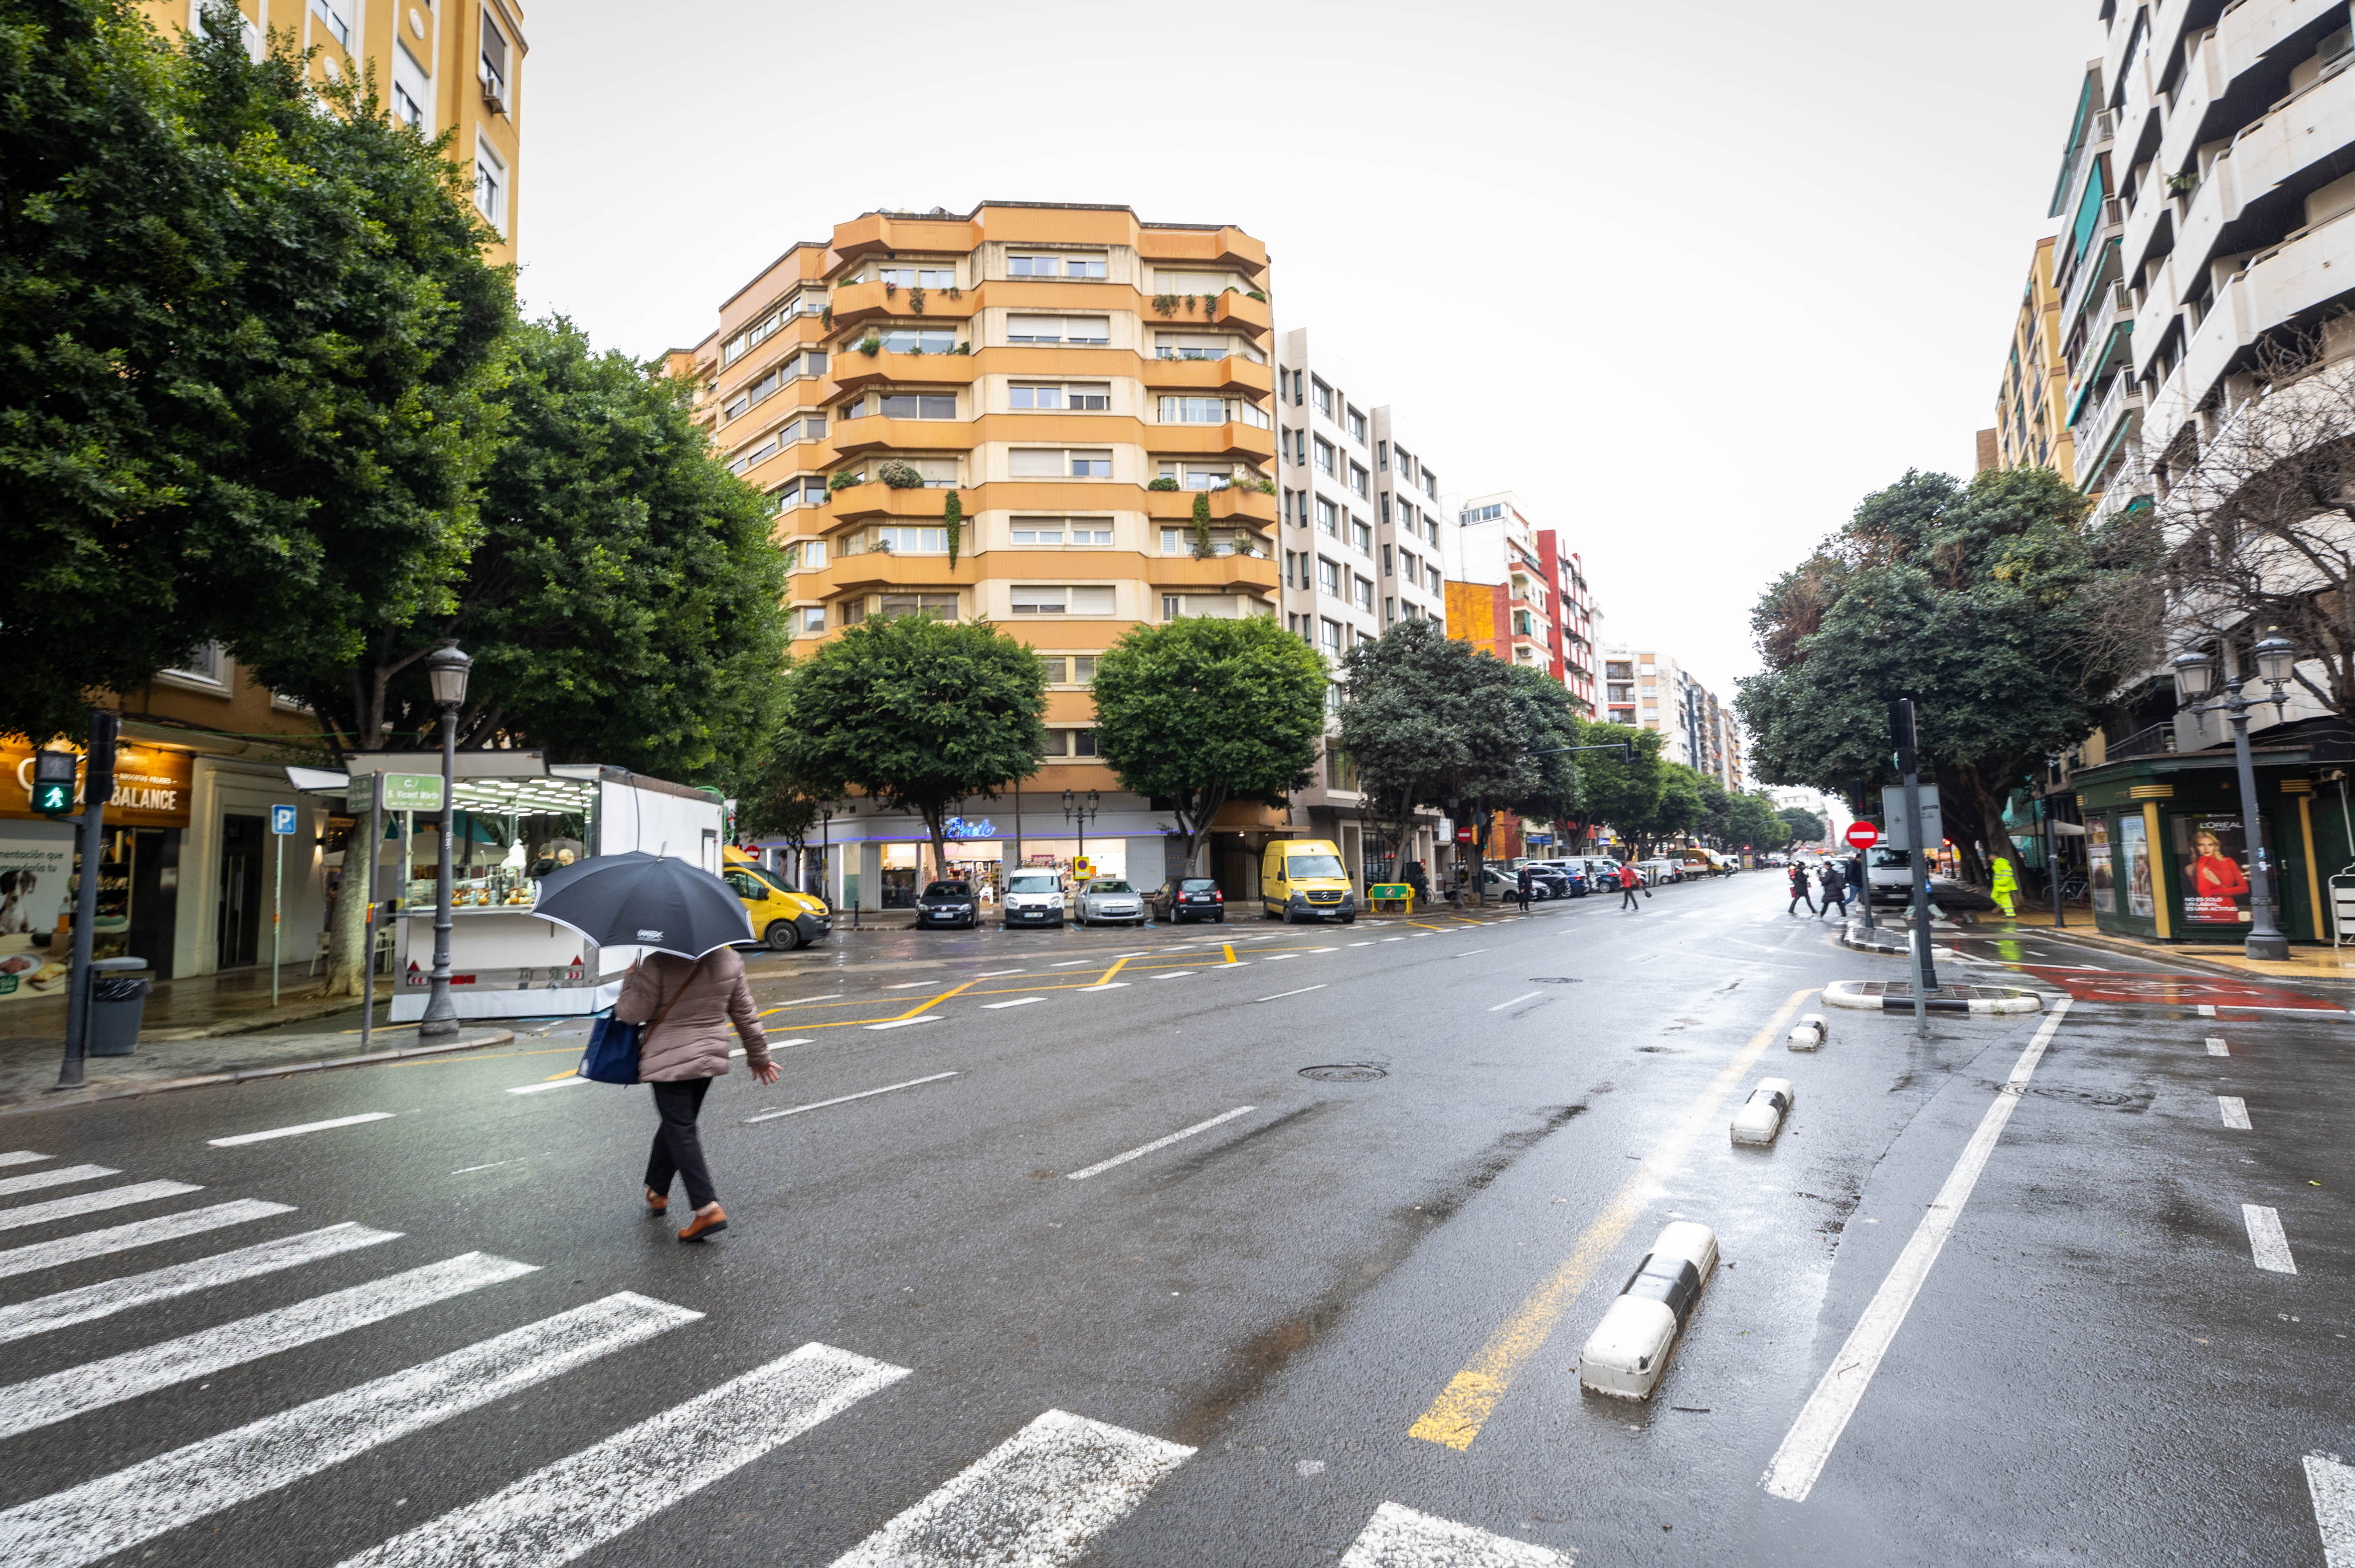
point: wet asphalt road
(2096, 1368)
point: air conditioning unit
(495, 93)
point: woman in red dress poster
(2215, 880)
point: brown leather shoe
(656, 1202)
(717, 1220)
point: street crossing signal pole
(97, 788)
(368, 927)
(1926, 978)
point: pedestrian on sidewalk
(691, 1002)
(1521, 888)
(2007, 883)
(1631, 882)
(1831, 880)
(1799, 891)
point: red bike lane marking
(2176, 990)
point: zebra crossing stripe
(578, 1504)
(1400, 1537)
(64, 1175)
(86, 1523)
(77, 1391)
(104, 1198)
(23, 1320)
(21, 1157)
(138, 1233)
(1035, 1500)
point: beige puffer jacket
(692, 1040)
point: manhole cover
(1345, 1073)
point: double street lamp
(1078, 809)
(445, 672)
(2196, 679)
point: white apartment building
(1360, 542)
(1649, 689)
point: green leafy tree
(245, 349)
(1805, 825)
(1200, 711)
(923, 714)
(778, 800)
(1621, 784)
(1969, 599)
(1551, 723)
(1676, 809)
(1756, 823)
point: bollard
(1630, 1350)
(1808, 1034)
(1761, 1117)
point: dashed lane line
(1145, 1149)
(2267, 1245)
(2217, 1047)
(905, 1022)
(845, 1099)
(1018, 1001)
(298, 1129)
(2332, 1486)
(1303, 991)
(2234, 1110)
(1516, 1001)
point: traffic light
(53, 783)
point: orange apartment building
(189, 861)
(1076, 377)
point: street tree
(918, 713)
(1198, 712)
(1968, 599)
(245, 355)
(1757, 824)
(1806, 826)
(1620, 779)
(777, 800)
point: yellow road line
(1229, 947)
(1115, 969)
(1456, 1417)
(568, 1073)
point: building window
(1329, 517)
(1055, 267)
(1390, 613)
(490, 186)
(917, 340)
(1070, 743)
(331, 12)
(1176, 541)
(1358, 477)
(1077, 397)
(493, 61)
(1328, 636)
(1329, 577)
(1438, 583)
(1386, 561)
(916, 404)
(412, 90)
(1058, 329)
(1058, 462)
(1324, 399)
(1193, 411)
(1061, 600)
(813, 619)
(1324, 454)
(204, 663)
(918, 277)
(1357, 427)
(1362, 538)
(1365, 592)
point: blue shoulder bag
(612, 1053)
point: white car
(1034, 898)
(1108, 900)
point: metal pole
(2266, 940)
(2051, 852)
(277, 902)
(368, 924)
(441, 1019)
(98, 783)
(1925, 979)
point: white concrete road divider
(1761, 1117)
(1809, 1033)
(1630, 1350)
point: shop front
(2167, 850)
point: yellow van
(782, 919)
(1303, 879)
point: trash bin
(118, 1000)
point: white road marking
(104, 1198)
(789, 1045)
(1178, 974)
(2235, 1112)
(1467, 952)
(1035, 1500)
(1332, 949)
(77, 1390)
(1278, 957)
(829, 996)
(1108, 985)
(494, 1165)
(1018, 1001)
(1369, 944)
(910, 985)
(1066, 963)
(63, 1176)
(1303, 991)
(139, 1232)
(1235, 964)
(845, 1100)
(2332, 1485)
(83, 1524)
(2207, 1010)
(298, 1130)
(2217, 1047)
(564, 1083)
(1145, 1149)
(1808, 1445)
(997, 974)
(905, 1022)
(2267, 1245)
(1397, 938)
(1138, 954)
(577, 1504)
(22, 1157)
(1400, 1537)
(1516, 1001)
(22, 1319)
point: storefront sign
(150, 785)
(2134, 856)
(958, 828)
(2098, 863)
(2213, 851)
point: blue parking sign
(281, 819)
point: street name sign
(402, 792)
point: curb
(1892, 996)
(86, 1097)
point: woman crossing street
(1800, 890)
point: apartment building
(1075, 378)
(1501, 593)
(2031, 428)
(456, 66)
(1649, 689)
(1360, 546)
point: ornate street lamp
(1078, 809)
(445, 673)
(2196, 681)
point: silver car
(1107, 900)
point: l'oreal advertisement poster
(2097, 861)
(2214, 853)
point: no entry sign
(1863, 835)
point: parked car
(1890, 873)
(1573, 873)
(948, 904)
(1659, 872)
(1183, 898)
(1108, 900)
(1603, 871)
(1033, 898)
(1548, 881)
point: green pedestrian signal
(53, 783)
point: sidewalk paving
(29, 1068)
(200, 1007)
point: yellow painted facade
(2031, 408)
(455, 64)
(1046, 365)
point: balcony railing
(2158, 740)
(2092, 432)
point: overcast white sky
(1691, 278)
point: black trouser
(1523, 894)
(1832, 896)
(1627, 900)
(678, 1150)
(1798, 899)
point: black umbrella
(638, 900)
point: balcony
(1227, 505)
(851, 370)
(876, 435)
(1242, 313)
(2093, 432)
(1234, 440)
(1230, 373)
(869, 305)
(1233, 573)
